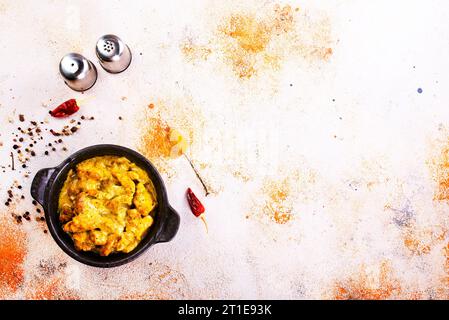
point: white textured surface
(347, 160)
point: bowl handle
(170, 226)
(40, 183)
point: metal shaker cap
(113, 53)
(79, 73)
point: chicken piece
(84, 204)
(66, 214)
(118, 202)
(83, 242)
(138, 174)
(125, 241)
(121, 164)
(98, 237)
(109, 189)
(135, 230)
(109, 246)
(90, 186)
(133, 214)
(84, 222)
(143, 200)
(126, 182)
(142, 226)
(65, 206)
(89, 169)
(89, 215)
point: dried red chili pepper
(65, 109)
(196, 206)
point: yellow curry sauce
(107, 204)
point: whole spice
(65, 109)
(197, 175)
(25, 148)
(196, 206)
(12, 161)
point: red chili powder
(12, 255)
(50, 289)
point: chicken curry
(107, 204)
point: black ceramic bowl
(47, 185)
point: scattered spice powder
(50, 289)
(277, 208)
(446, 269)
(250, 41)
(168, 132)
(441, 174)
(375, 285)
(420, 241)
(12, 255)
(159, 140)
(195, 52)
(249, 38)
(441, 291)
(156, 141)
(164, 283)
